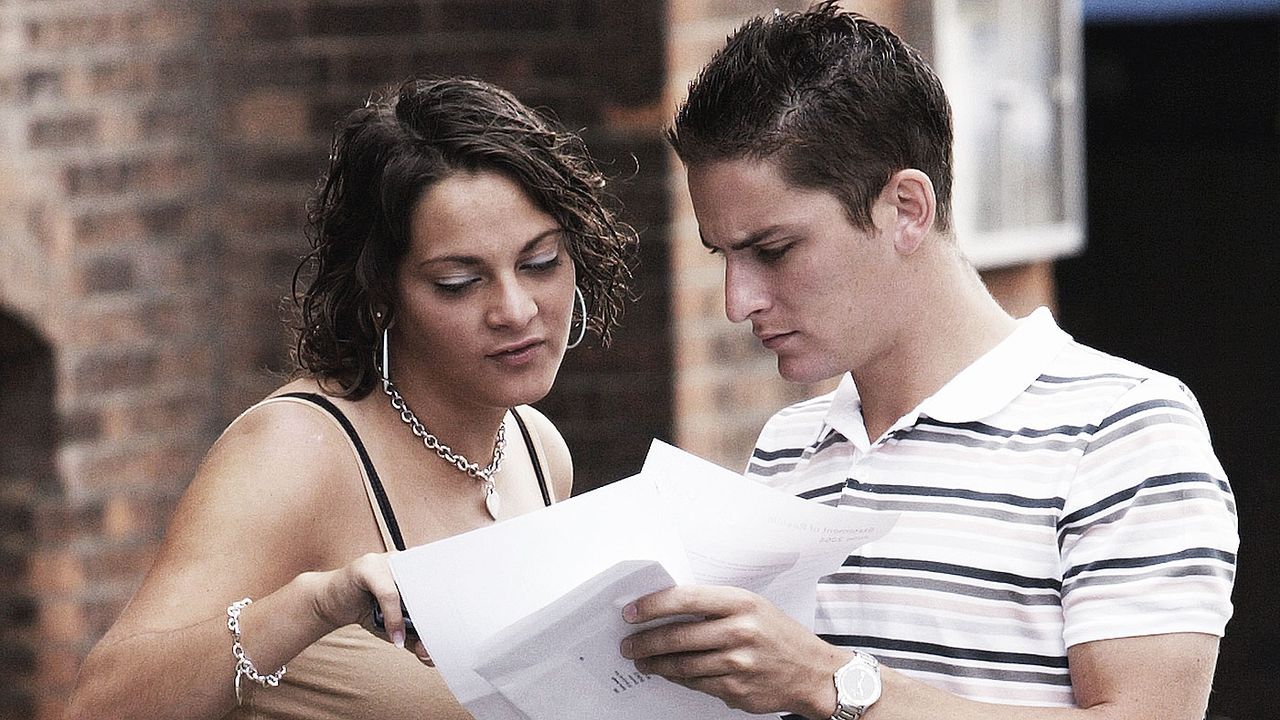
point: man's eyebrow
(474, 260)
(755, 237)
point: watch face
(858, 683)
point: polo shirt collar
(984, 388)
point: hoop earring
(579, 301)
(386, 357)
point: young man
(1066, 541)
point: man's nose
(745, 293)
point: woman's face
(485, 294)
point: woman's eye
(543, 263)
(454, 286)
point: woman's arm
(253, 523)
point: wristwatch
(857, 686)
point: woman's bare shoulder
(274, 497)
(559, 460)
(279, 468)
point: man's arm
(755, 658)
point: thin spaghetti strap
(533, 455)
(374, 485)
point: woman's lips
(518, 354)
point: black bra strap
(388, 515)
(533, 455)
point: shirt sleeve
(1148, 535)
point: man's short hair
(838, 101)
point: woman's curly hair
(384, 157)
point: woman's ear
(910, 193)
(381, 317)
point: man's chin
(796, 370)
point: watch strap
(852, 712)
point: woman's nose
(514, 305)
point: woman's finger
(374, 573)
(421, 651)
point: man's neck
(955, 325)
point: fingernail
(626, 648)
(629, 612)
(397, 637)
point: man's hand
(745, 651)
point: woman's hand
(343, 599)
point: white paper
(563, 662)
(549, 576)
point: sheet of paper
(563, 662)
(463, 589)
(739, 532)
(539, 579)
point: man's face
(819, 292)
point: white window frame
(993, 86)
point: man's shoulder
(1083, 377)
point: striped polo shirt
(1048, 495)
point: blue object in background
(1173, 10)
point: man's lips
(772, 340)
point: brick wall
(154, 161)
(107, 268)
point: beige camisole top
(350, 673)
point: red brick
(42, 83)
(108, 370)
(62, 620)
(169, 316)
(106, 226)
(154, 413)
(364, 19)
(267, 114)
(157, 173)
(63, 131)
(523, 16)
(161, 23)
(58, 523)
(1023, 288)
(162, 466)
(107, 275)
(125, 562)
(237, 22)
(57, 668)
(54, 572)
(168, 122)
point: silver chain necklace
(492, 502)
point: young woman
(460, 243)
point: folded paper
(523, 618)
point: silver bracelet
(244, 666)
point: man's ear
(910, 193)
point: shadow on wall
(27, 438)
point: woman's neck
(468, 429)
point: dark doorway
(1180, 271)
(27, 443)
